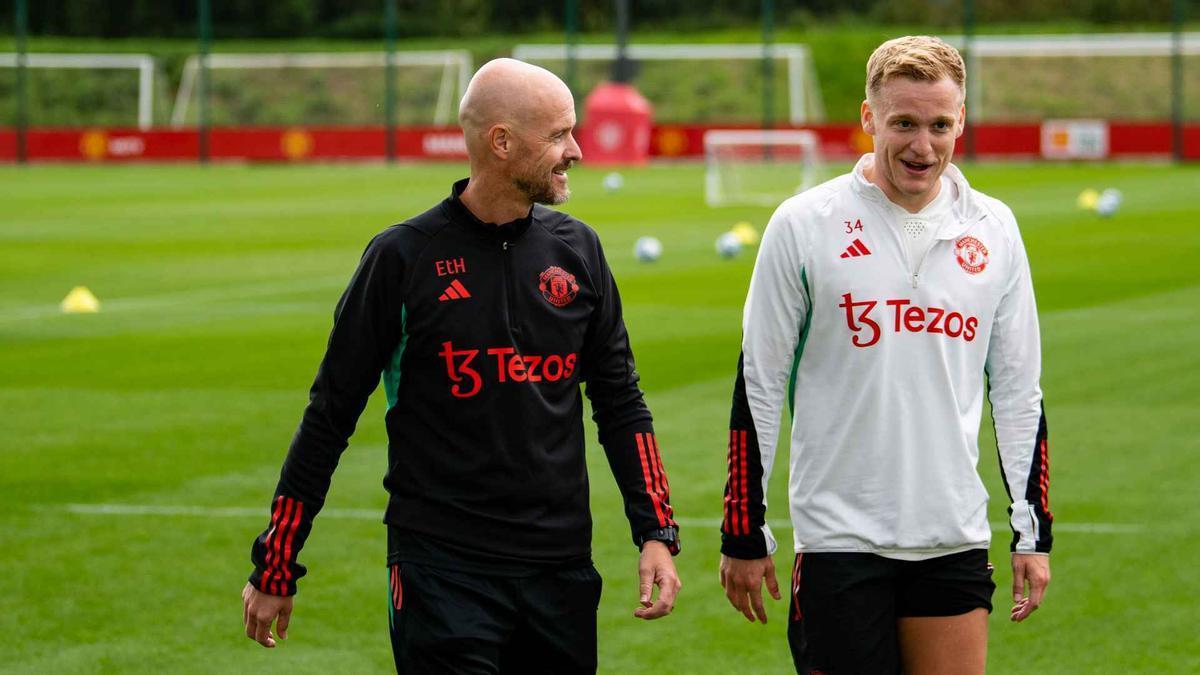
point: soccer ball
(746, 233)
(647, 249)
(1108, 202)
(613, 182)
(728, 245)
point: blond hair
(917, 57)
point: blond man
(880, 305)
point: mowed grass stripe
(161, 510)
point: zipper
(888, 216)
(907, 260)
(914, 276)
(898, 235)
(509, 288)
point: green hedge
(479, 18)
(709, 92)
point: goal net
(722, 83)
(76, 90)
(324, 89)
(1117, 76)
(761, 167)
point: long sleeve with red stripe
(359, 344)
(624, 422)
(745, 508)
(1014, 366)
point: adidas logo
(455, 291)
(855, 250)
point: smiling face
(914, 125)
(518, 122)
(546, 150)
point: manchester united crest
(558, 286)
(971, 254)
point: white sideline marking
(373, 514)
(210, 511)
(1079, 528)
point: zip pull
(504, 246)
(914, 280)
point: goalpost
(1109, 75)
(759, 166)
(725, 81)
(434, 79)
(143, 64)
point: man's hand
(1032, 570)
(259, 611)
(656, 568)
(742, 581)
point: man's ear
(500, 140)
(962, 120)
(867, 118)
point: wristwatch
(668, 535)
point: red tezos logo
(907, 317)
(971, 254)
(858, 321)
(466, 380)
(558, 286)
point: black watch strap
(667, 535)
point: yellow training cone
(80, 301)
(1087, 199)
(745, 233)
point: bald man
(483, 315)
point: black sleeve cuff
(744, 547)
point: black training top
(483, 334)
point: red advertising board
(667, 141)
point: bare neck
(494, 200)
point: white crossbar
(143, 63)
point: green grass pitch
(218, 286)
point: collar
(964, 210)
(460, 213)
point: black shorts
(844, 606)
(445, 621)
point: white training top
(890, 360)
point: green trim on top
(800, 345)
(391, 603)
(391, 376)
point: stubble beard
(540, 189)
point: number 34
(852, 226)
